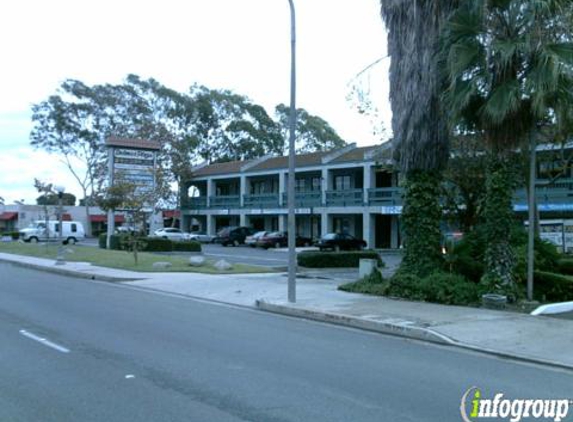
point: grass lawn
(121, 259)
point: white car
(171, 234)
(38, 231)
(201, 237)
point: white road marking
(129, 376)
(44, 341)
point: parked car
(253, 239)
(340, 241)
(201, 237)
(171, 233)
(233, 235)
(280, 240)
(72, 231)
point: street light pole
(291, 164)
(60, 258)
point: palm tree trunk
(421, 136)
(499, 218)
(421, 219)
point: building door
(383, 231)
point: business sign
(135, 166)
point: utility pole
(291, 164)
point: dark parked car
(233, 235)
(340, 241)
(280, 240)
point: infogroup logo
(474, 407)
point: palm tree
(509, 68)
(421, 139)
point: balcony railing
(305, 199)
(265, 200)
(194, 203)
(345, 198)
(385, 196)
(547, 195)
(225, 201)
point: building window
(316, 184)
(300, 185)
(342, 182)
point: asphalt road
(114, 353)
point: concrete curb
(412, 332)
(68, 272)
(418, 333)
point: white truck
(38, 231)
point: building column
(242, 190)
(282, 189)
(282, 222)
(210, 191)
(210, 225)
(367, 182)
(324, 223)
(368, 230)
(242, 219)
(324, 185)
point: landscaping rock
(161, 264)
(197, 261)
(222, 265)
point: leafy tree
(421, 137)
(509, 67)
(52, 199)
(312, 133)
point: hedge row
(553, 287)
(438, 287)
(335, 259)
(151, 244)
(565, 266)
(13, 235)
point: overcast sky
(242, 45)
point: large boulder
(161, 265)
(197, 261)
(222, 265)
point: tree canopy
(202, 124)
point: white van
(72, 232)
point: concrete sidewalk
(531, 338)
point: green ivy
(421, 219)
(499, 219)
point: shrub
(335, 259)
(157, 244)
(546, 258)
(406, 285)
(450, 289)
(15, 235)
(438, 287)
(373, 284)
(187, 246)
(552, 287)
(565, 266)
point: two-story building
(349, 190)
(353, 190)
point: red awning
(102, 218)
(7, 216)
(66, 217)
(171, 214)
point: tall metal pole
(531, 209)
(60, 257)
(291, 164)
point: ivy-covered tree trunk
(421, 218)
(498, 215)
